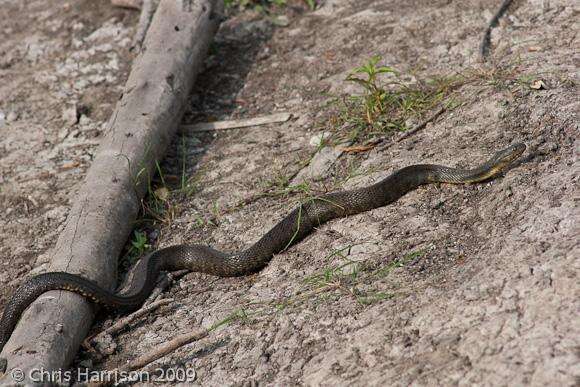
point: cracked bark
(142, 125)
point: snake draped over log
(294, 227)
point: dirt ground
(451, 285)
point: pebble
(84, 120)
(12, 116)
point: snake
(142, 277)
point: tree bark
(144, 121)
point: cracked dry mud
(487, 292)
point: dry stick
(236, 124)
(165, 349)
(141, 127)
(147, 10)
(486, 41)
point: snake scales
(295, 226)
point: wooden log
(144, 121)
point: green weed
(137, 246)
(387, 106)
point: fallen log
(101, 218)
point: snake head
(504, 157)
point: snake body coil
(288, 231)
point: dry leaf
(358, 148)
(69, 165)
(538, 84)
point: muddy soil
(450, 285)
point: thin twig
(415, 129)
(422, 124)
(486, 41)
(165, 349)
(147, 10)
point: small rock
(319, 165)
(70, 116)
(281, 21)
(84, 120)
(317, 140)
(508, 192)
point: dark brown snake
(295, 226)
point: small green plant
(138, 246)
(375, 96)
(386, 106)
